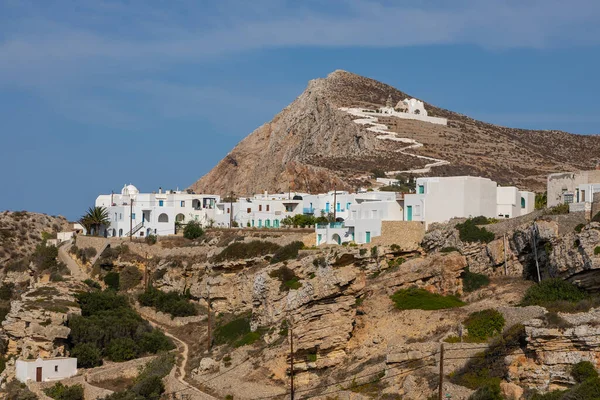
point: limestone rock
(510, 391)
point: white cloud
(54, 49)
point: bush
(87, 354)
(122, 349)
(490, 391)
(16, 390)
(193, 230)
(583, 370)
(242, 250)
(287, 252)
(62, 392)
(559, 209)
(421, 299)
(236, 332)
(551, 291)
(484, 324)
(362, 252)
(449, 250)
(171, 303)
(596, 217)
(109, 325)
(90, 252)
(579, 228)
(150, 240)
(470, 232)
(129, 278)
(112, 280)
(287, 277)
(473, 281)
(6, 291)
(148, 384)
(597, 250)
(92, 284)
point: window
(253, 223)
(248, 210)
(267, 207)
(260, 223)
(120, 216)
(268, 223)
(348, 206)
(227, 210)
(182, 204)
(260, 207)
(132, 215)
(319, 236)
(163, 218)
(115, 216)
(522, 202)
(161, 203)
(421, 189)
(338, 207)
(56, 368)
(417, 209)
(568, 198)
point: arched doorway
(336, 238)
(163, 218)
(120, 232)
(179, 218)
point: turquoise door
(327, 207)
(368, 237)
(409, 213)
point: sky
(95, 94)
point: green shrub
(6, 291)
(596, 217)
(112, 280)
(148, 384)
(587, 390)
(16, 390)
(237, 332)
(490, 391)
(489, 365)
(193, 230)
(421, 299)
(484, 324)
(553, 290)
(374, 251)
(395, 248)
(62, 392)
(559, 209)
(129, 278)
(362, 252)
(470, 232)
(579, 228)
(449, 249)
(90, 252)
(287, 277)
(553, 320)
(242, 250)
(553, 395)
(287, 252)
(473, 281)
(311, 357)
(150, 240)
(92, 284)
(583, 370)
(122, 349)
(172, 303)
(597, 250)
(87, 354)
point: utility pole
(334, 203)
(505, 262)
(130, 219)
(291, 362)
(441, 388)
(534, 242)
(231, 210)
(208, 319)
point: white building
(442, 198)
(155, 213)
(367, 211)
(562, 187)
(584, 197)
(261, 211)
(48, 369)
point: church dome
(129, 190)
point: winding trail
(385, 134)
(63, 255)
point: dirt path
(76, 271)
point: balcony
(331, 225)
(308, 210)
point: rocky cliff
(312, 145)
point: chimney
(160, 190)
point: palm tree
(94, 218)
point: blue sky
(95, 94)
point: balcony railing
(331, 225)
(308, 210)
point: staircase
(135, 229)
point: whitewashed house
(260, 211)
(45, 369)
(585, 195)
(438, 199)
(155, 213)
(564, 187)
(366, 213)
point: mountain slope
(312, 145)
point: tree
(94, 218)
(87, 354)
(193, 230)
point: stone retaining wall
(406, 234)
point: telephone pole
(505, 262)
(441, 388)
(208, 319)
(130, 219)
(291, 362)
(334, 203)
(231, 210)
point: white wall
(52, 369)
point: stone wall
(95, 242)
(406, 234)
